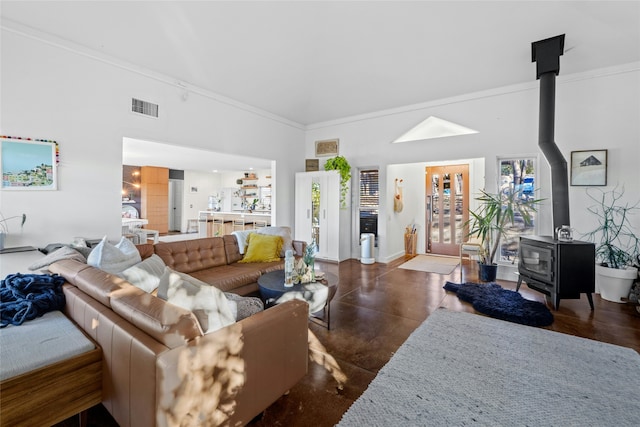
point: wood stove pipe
(546, 54)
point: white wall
(593, 111)
(50, 92)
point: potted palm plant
(491, 221)
(617, 246)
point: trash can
(367, 242)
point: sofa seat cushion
(187, 256)
(228, 277)
(262, 267)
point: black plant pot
(488, 272)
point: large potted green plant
(490, 223)
(617, 245)
(340, 164)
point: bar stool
(192, 225)
(238, 224)
(218, 226)
(259, 223)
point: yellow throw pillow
(262, 248)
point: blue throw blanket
(27, 296)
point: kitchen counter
(205, 220)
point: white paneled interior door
(317, 213)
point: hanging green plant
(340, 164)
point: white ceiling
(311, 62)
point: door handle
(430, 208)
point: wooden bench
(55, 385)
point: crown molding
(505, 90)
(60, 43)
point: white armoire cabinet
(317, 213)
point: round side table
(317, 294)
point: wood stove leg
(556, 302)
(590, 298)
(519, 283)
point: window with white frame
(517, 175)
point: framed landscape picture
(589, 168)
(27, 165)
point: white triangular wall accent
(434, 127)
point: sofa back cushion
(145, 249)
(96, 283)
(231, 248)
(166, 323)
(187, 256)
(169, 324)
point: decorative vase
(615, 283)
(311, 268)
(487, 272)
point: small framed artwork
(193, 189)
(589, 168)
(328, 147)
(28, 165)
(311, 165)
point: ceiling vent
(144, 107)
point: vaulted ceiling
(311, 62)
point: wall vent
(144, 107)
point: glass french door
(447, 208)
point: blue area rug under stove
(491, 299)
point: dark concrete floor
(374, 311)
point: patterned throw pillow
(243, 307)
(208, 303)
(262, 248)
(146, 274)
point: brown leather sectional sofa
(214, 260)
(159, 369)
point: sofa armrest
(245, 367)
(299, 247)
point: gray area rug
(460, 369)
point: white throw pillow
(208, 303)
(114, 259)
(284, 232)
(241, 237)
(146, 274)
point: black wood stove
(557, 269)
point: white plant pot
(615, 284)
